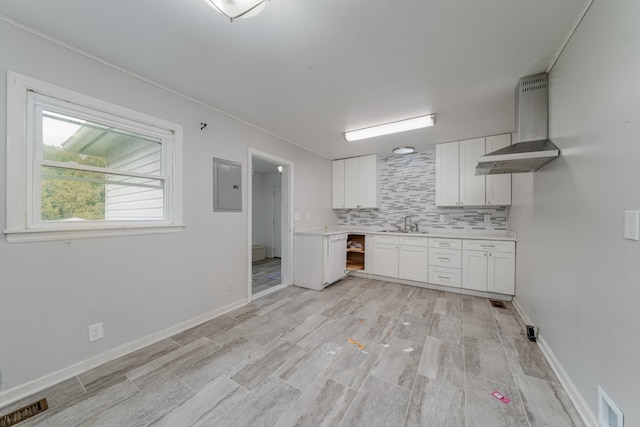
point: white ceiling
(306, 71)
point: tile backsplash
(408, 187)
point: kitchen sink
(403, 231)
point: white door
(368, 182)
(337, 184)
(277, 222)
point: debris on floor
(406, 323)
(385, 345)
(501, 397)
(409, 350)
(331, 352)
(354, 342)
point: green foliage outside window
(70, 193)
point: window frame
(25, 96)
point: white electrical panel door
(227, 185)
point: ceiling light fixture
(389, 128)
(234, 9)
(403, 150)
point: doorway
(269, 223)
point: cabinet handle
(488, 246)
(443, 277)
(441, 258)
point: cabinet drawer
(386, 240)
(445, 243)
(414, 241)
(445, 276)
(489, 245)
(445, 257)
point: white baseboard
(24, 390)
(576, 397)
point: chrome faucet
(412, 225)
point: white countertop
(429, 232)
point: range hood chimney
(533, 149)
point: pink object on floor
(501, 397)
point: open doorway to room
(269, 223)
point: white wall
(577, 278)
(50, 292)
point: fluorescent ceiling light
(233, 9)
(404, 150)
(389, 128)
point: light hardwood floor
(430, 358)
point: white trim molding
(24, 390)
(576, 397)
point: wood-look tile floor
(430, 358)
(265, 274)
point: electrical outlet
(229, 285)
(441, 218)
(487, 218)
(96, 332)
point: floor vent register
(497, 304)
(23, 413)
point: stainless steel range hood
(533, 150)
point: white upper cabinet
(447, 174)
(456, 181)
(472, 186)
(337, 184)
(355, 183)
(498, 190)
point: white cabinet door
(414, 263)
(447, 174)
(498, 186)
(472, 186)
(368, 182)
(502, 273)
(385, 259)
(351, 183)
(474, 270)
(337, 184)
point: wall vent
(23, 413)
(608, 413)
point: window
(80, 167)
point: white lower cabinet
(445, 262)
(413, 258)
(479, 265)
(489, 266)
(385, 256)
(401, 257)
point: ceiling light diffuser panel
(389, 128)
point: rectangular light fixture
(389, 128)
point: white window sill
(44, 235)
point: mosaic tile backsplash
(408, 187)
